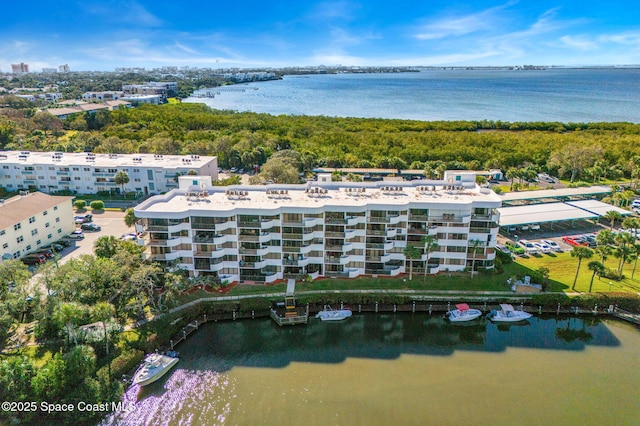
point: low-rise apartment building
(265, 233)
(33, 220)
(88, 173)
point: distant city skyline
(116, 33)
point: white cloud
(577, 42)
(461, 25)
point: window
(34, 232)
(59, 231)
(5, 245)
(28, 247)
(112, 170)
(51, 168)
(136, 170)
(76, 169)
(86, 169)
(55, 207)
(38, 242)
(76, 178)
(46, 225)
(44, 213)
(32, 219)
(49, 236)
(5, 167)
(17, 226)
(57, 219)
(19, 239)
(3, 232)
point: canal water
(399, 369)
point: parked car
(529, 247)
(34, 259)
(590, 239)
(534, 227)
(64, 243)
(514, 248)
(76, 235)
(47, 252)
(84, 218)
(553, 245)
(54, 247)
(575, 241)
(543, 247)
(90, 227)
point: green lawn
(563, 270)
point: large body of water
(399, 369)
(564, 95)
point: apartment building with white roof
(265, 233)
(88, 173)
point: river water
(399, 369)
(563, 95)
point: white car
(529, 247)
(534, 227)
(544, 248)
(552, 245)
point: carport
(553, 195)
(598, 207)
(540, 213)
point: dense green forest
(572, 150)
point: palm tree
(121, 178)
(430, 244)
(581, 253)
(613, 215)
(597, 268)
(636, 253)
(130, 218)
(103, 312)
(411, 253)
(625, 248)
(474, 244)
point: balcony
(342, 260)
(306, 236)
(231, 224)
(355, 220)
(262, 251)
(310, 222)
(335, 221)
(396, 219)
(376, 232)
(334, 234)
(270, 223)
(381, 259)
(253, 265)
(183, 226)
(378, 219)
(249, 224)
(417, 231)
(391, 232)
(349, 233)
(418, 218)
(300, 261)
(268, 236)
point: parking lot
(551, 231)
(111, 222)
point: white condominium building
(88, 173)
(265, 233)
(32, 220)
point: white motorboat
(508, 314)
(328, 314)
(463, 313)
(154, 367)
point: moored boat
(508, 314)
(154, 367)
(328, 314)
(463, 313)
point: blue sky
(105, 34)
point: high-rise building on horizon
(63, 68)
(20, 68)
